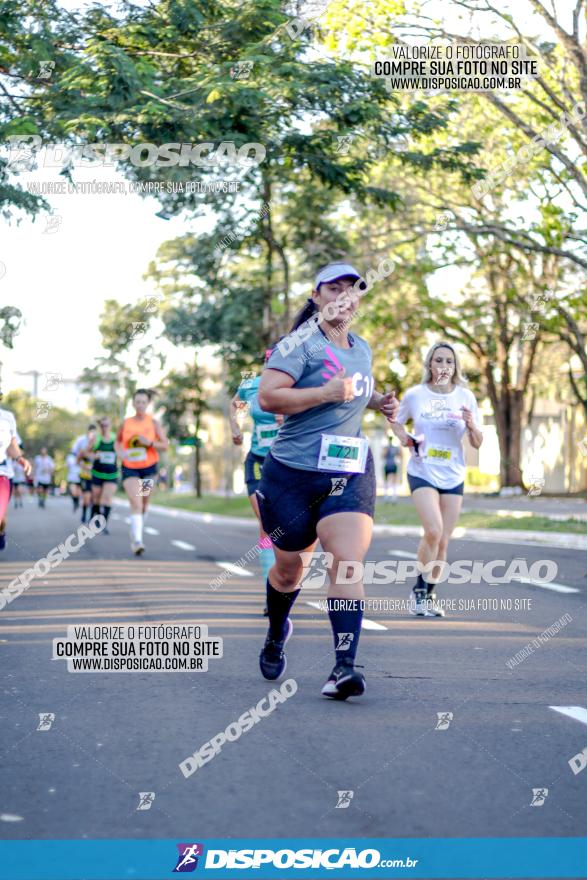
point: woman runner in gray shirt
(318, 479)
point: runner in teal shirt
(264, 431)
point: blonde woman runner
(442, 412)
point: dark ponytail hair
(146, 391)
(308, 309)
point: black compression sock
(95, 511)
(75, 504)
(279, 605)
(345, 616)
(420, 585)
(106, 512)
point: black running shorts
(293, 501)
(418, 483)
(253, 467)
(141, 473)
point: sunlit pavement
(410, 772)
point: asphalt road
(117, 734)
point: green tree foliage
(38, 426)
(172, 72)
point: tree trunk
(197, 475)
(508, 408)
(509, 431)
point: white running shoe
(425, 605)
(137, 548)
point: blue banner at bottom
(270, 859)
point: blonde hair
(457, 378)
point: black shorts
(44, 485)
(418, 483)
(140, 473)
(390, 470)
(86, 485)
(294, 500)
(253, 468)
(99, 481)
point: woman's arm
(161, 443)
(386, 403)
(237, 436)
(13, 450)
(118, 446)
(474, 433)
(276, 393)
(401, 434)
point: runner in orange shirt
(138, 443)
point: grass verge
(385, 514)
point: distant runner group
(98, 460)
(309, 472)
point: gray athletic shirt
(311, 363)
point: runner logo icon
(344, 799)
(344, 641)
(46, 719)
(315, 569)
(444, 719)
(338, 485)
(146, 799)
(539, 795)
(188, 857)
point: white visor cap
(336, 271)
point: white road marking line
(576, 712)
(558, 588)
(183, 545)
(235, 569)
(404, 554)
(151, 531)
(366, 624)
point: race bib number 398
(439, 454)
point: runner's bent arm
(385, 403)
(14, 451)
(400, 432)
(276, 393)
(474, 433)
(120, 450)
(161, 443)
(234, 407)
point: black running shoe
(344, 682)
(272, 659)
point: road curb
(564, 540)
